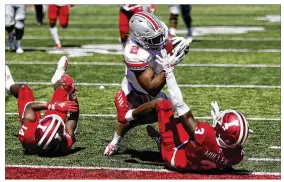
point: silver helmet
(148, 30)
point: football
(169, 47)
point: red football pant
(59, 95)
(172, 136)
(25, 96)
(62, 12)
(124, 17)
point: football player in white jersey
(144, 75)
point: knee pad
(20, 24)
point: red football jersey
(205, 153)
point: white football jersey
(137, 58)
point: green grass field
(262, 105)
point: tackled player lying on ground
(187, 144)
(53, 133)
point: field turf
(262, 105)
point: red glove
(67, 83)
(63, 106)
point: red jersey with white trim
(205, 153)
(137, 58)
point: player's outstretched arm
(185, 115)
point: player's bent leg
(25, 95)
(121, 105)
(64, 16)
(62, 66)
(59, 95)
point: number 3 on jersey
(134, 50)
(199, 131)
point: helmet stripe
(152, 21)
(46, 131)
(245, 123)
(52, 135)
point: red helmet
(49, 132)
(232, 129)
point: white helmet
(148, 30)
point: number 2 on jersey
(134, 50)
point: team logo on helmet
(49, 132)
(232, 129)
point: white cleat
(60, 70)
(113, 147)
(8, 80)
(19, 50)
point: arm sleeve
(175, 95)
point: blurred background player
(15, 15)
(125, 13)
(39, 13)
(39, 134)
(144, 78)
(174, 14)
(60, 11)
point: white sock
(172, 31)
(116, 137)
(128, 116)
(175, 95)
(55, 36)
(18, 43)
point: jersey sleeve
(136, 58)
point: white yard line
(275, 147)
(181, 85)
(117, 38)
(192, 49)
(264, 159)
(122, 64)
(114, 115)
(131, 169)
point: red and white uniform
(182, 154)
(60, 11)
(27, 131)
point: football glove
(67, 83)
(62, 106)
(214, 110)
(167, 61)
(180, 44)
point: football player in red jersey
(125, 13)
(60, 11)
(52, 132)
(187, 144)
